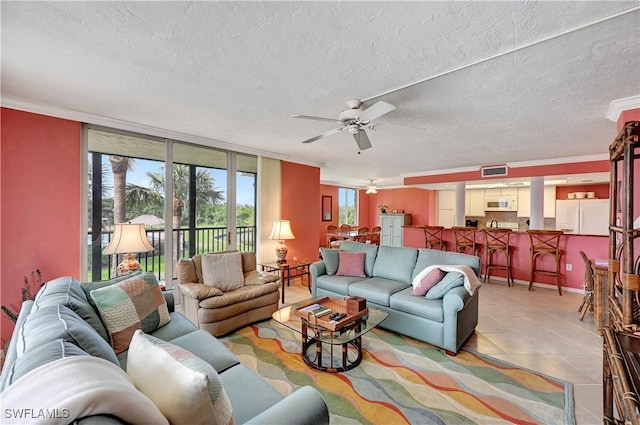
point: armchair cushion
(244, 293)
(223, 271)
(199, 291)
(258, 278)
(152, 362)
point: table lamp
(281, 231)
(128, 239)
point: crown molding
(616, 107)
(556, 161)
(88, 118)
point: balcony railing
(207, 239)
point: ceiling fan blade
(362, 140)
(325, 134)
(376, 110)
(308, 117)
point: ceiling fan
(371, 188)
(355, 120)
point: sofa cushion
(87, 287)
(129, 305)
(351, 264)
(60, 322)
(68, 291)
(52, 350)
(451, 280)
(396, 263)
(371, 251)
(336, 284)
(223, 271)
(418, 306)
(433, 257)
(425, 281)
(152, 363)
(377, 289)
(331, 260)
(209, 349)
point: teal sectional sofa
(62, 324)
(445, 322)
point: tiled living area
(539, 330)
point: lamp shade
(128, 238)
(281, 230)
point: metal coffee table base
(314, 347)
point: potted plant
(28, 292)
(383, 208)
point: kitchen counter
(595, 246)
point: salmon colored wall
(417, 202)
(593, 246)
(327, 190)
(301, 205)
(40, 210)
(364, 209)
(601, 190)
(533, 171)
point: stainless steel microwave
(501, 203)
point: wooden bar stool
(433, 236)
(545, 242)
(466, 240)
(589, 284)
(496, 241)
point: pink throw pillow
(428, 282)
(351, 264)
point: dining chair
(345, 228)
(589, 284)
(433, 236)
(331, 228)
(375, 235)
(363, 234)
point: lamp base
(128, 265)
(281, 253)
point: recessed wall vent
(497, 171)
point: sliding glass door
(180, 192)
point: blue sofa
(74, 328)
(445, 322)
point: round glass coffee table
(324, 349)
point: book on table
(316, 309)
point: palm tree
(119, 166)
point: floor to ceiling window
(186, 210)
(347, 206)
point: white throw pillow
(223, 271)
(185, 388)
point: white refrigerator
(583, 216)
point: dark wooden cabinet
(621, 349)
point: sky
(138, 176)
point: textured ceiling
(499, 81)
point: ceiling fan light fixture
(371, 189)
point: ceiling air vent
(497, 171)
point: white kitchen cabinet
(502, 191)
(474, 203)
(524, 202)
(583, 216)
(391, 228)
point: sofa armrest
(455, 300)
(316, 269)
(198, 291)
(304, 407)
(168, 297)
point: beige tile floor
(539, 330)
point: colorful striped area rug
(405, 381)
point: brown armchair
(222, 312)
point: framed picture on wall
(326, 208)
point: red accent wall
(40, 207)
(301, 205)
(327, 190)
(420, 203)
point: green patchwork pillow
(448, 282)
(134, 303)
(196, 395)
